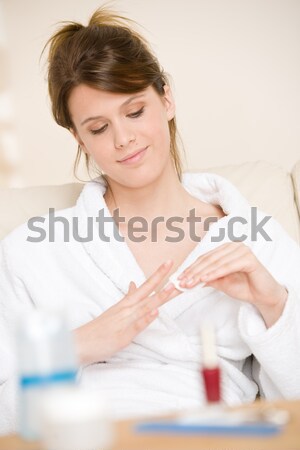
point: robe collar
(115, 259)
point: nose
(123, 137)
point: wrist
(80, 346)
(272, 309)
(89, 345)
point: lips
(133, 156)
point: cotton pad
(173, 279)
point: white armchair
(265, 185)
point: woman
(137, 334)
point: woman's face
(127, 135)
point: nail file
(173, 279)
(173, 427)
(220, 421)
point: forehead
(85, 100)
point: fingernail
(168, 287)
(189, 281)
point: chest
(152, 249)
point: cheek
(158, 129)
(98, 149)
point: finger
(201, 275)
(233, 266)
(166, 294)
(157, 300)
(214, 263)
(152, 282)
(222, 249)
(145, 320)
(212, 257)
(132, 287)
(238, 264)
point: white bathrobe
(159, 371)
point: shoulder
(219, 197)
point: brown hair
(106, 54)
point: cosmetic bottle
(46, 360)
(211, 374)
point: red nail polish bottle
(210, 368)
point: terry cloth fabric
(159, 371)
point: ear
(169, 102)
(78, 139)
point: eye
(136, 114)
(99, 130)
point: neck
(165, 196)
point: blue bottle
(46, 360)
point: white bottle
(76, 419)
(46, 359)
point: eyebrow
(129, 100)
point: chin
(139, 181)
(142, 176)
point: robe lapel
(117, 262)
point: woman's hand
(113, 330)
(233, 269)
